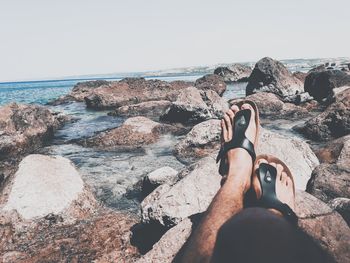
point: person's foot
(284, 185)
(239, 158)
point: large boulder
(320, 84)
(334, 122)
(272, 76)
(234, 72)
(151, 109)
(134, 133)
(202, 140)
(168, 205)
(24, 128)
(51, 216)
(193, 106)
(211, 82)
(329, 181)
(324, 225)
(46, 185)
(131, 91)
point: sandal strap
(267, 175)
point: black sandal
(239, 140)
(267, 177)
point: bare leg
(229, 199)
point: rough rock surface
(24, 128)
(211, 82)
(168, 205)
(46, 185)
(272, 76)
(342, 206)
(234, 72)
(150, 109)
(325, 226)
(160, 176)
(329, 181)
(203, 139)
(320, 84)
(193, 106)
(134, 133)
(330, 152)
(101, 238)
(132, 91)
(80, 91)
(300, 75)
(171, 242)
(51, 216)
(333, 122)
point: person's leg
(229, 199)
(259, 235)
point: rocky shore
(48, 213)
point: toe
(279, 169)
(258, 162)
(224, 131)
(284, 178)
(234, 108)
(231, 114)
(247, 106)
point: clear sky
(48, 39)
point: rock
(272, 107)
(203, 139)
(51, 216)
(211, 82)
(234, 72)
(46, 185)
(158, 177)
(24, 128)
(80, 91)
(318, 69)
(100, 238)
(193, 106)
(295, 152)
(134, 133)
(320, 84)
(272, 76)
(299, 98)
(330, 152)
(325, 226)
(342, 206)
(300, 75)
(329, 181)
(133, 91)
(168, 205)
(334, 122)
(168, 246)
(150, 109)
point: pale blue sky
(48, 39)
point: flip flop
(267, 177)
(239, 140)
